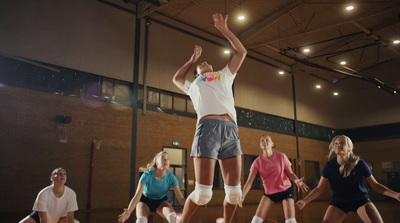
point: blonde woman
(275, 171)
(55, 203)
(152, 190)
(345, 174)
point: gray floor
(313, 213)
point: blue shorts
(151, 203)
(350, 205)
(280, 196)
(216, 139)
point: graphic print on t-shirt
(209, 77)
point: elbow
(176, 80)
(242, 53)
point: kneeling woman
(152, 190)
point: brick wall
(29, 149)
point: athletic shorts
(350, 205)
(35, 216)
(280, 196)
(153, 204)
(216, 139)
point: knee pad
(257, 219)
(171, 217)
(233, 194)
(202, 194)
(291, 220)
(141, 219)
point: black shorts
(35, 216)
(153, 204)
(350, 205)
(279, 197)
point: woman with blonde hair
(152, 190)
(275, 171)
(345, 174)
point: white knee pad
(202, 194)
(141, 219)
(291, 220)
(171, 217)
(233, 194)
(257, 219)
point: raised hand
(219, 21)
(196, 53)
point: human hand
(398, 196)
(124, 216)
(301, 185)
(196, 53)
(241, 202)
(300, 204)
(219, 21)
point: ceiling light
(306, 50)
(396, 41)
(343, 62)
(336, 93)
(281, 72)
(318, 86)
(227, 51)
(350, 7)
(241, 17)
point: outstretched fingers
(219, 21)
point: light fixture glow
(318, 86)
(241, 17)
(227, 51)
(281, 72)
(343, 62)
(396, 41)
(350, 7)
(306, 50)
(395, 92)
(336, 93)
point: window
(153, 97)
(177, 160)
(312, 173)
(179, 103)
(190, 107)
(165, 100)
(117, 93)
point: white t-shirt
(211, 93)
(55, 207)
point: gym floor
(313, 213)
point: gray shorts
(216, 139)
